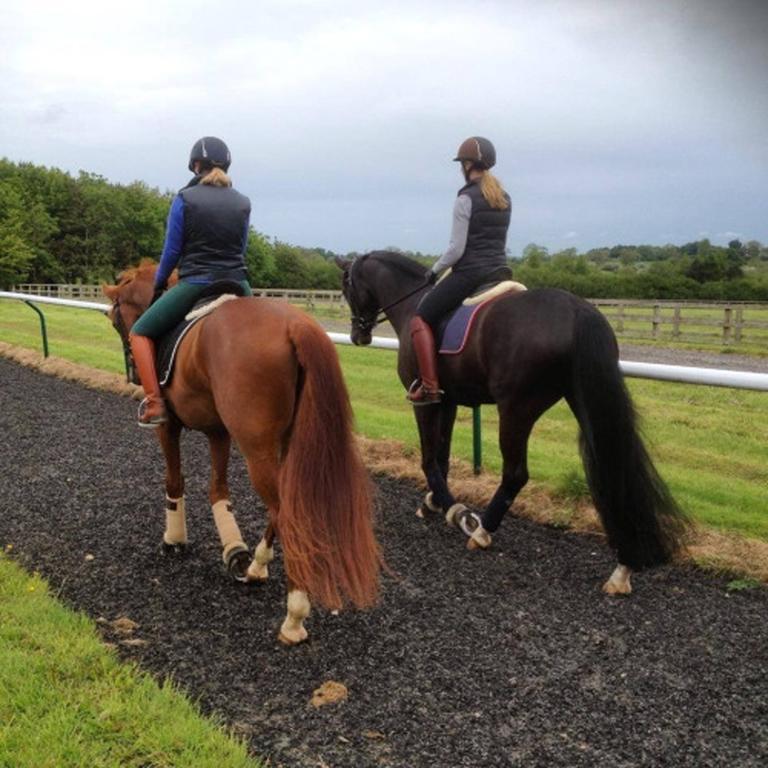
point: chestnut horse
(528, 350)
(263, 373)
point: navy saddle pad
(168, 344)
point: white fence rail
(714, 377)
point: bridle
(122, 330)
(367, 324)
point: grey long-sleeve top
(462, 210)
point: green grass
(68, 701)
(709, 442)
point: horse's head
(130, 297)
(359, 295)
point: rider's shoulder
(469, 190)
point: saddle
(213, 296)
(455, 327)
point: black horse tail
(643, 522)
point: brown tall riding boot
(152, 408)
(425, 390)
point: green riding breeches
(171, 307)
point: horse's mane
(409, 266)
(145, 270)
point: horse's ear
(110, 291)
(341, 263)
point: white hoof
(429, 503)
(452, 513)
(619, 582)
(289, 636)
(480, 539)
(257, 572)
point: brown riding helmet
(477, 150)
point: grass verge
(68, 700)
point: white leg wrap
(453, 510)
(619, 582)
(175, 521)
(226, 525)
(292, 631)
(263, 555)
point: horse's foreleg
(432, 422)
(619, 582)
(258, 570)
(234, 549)
(293, 630)
(175, 535)
(516, 420)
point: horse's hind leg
(175, 535)
(263, 470)
(264, 554)
(234, 549)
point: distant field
(710, 443)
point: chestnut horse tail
(325, 522)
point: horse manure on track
(330, 692)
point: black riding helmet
(479, 151)
(211, 152)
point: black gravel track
(504, 658)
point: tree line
(59, 228)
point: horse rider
(477, 249)
(206, 238)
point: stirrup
(153, 421)
(419, 395)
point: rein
(119, 323)
(368, 324)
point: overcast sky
(614, 121)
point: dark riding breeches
(449, 293)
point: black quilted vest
(487, 235)
(215, 220)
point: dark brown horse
(528, 350)
(266, 375)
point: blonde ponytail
(493, 192)
(216, 178)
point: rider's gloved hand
(431, 277)
(159, 290)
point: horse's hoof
(453, 514)
(616, 590)
(173, 550)
(429, 503)
(480, 539)
(257, 572)
(238, 562)
(619, 583)
(293, 637)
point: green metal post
(477, 440)
(43, 329)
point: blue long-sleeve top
(174, 244)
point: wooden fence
(711, 323)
